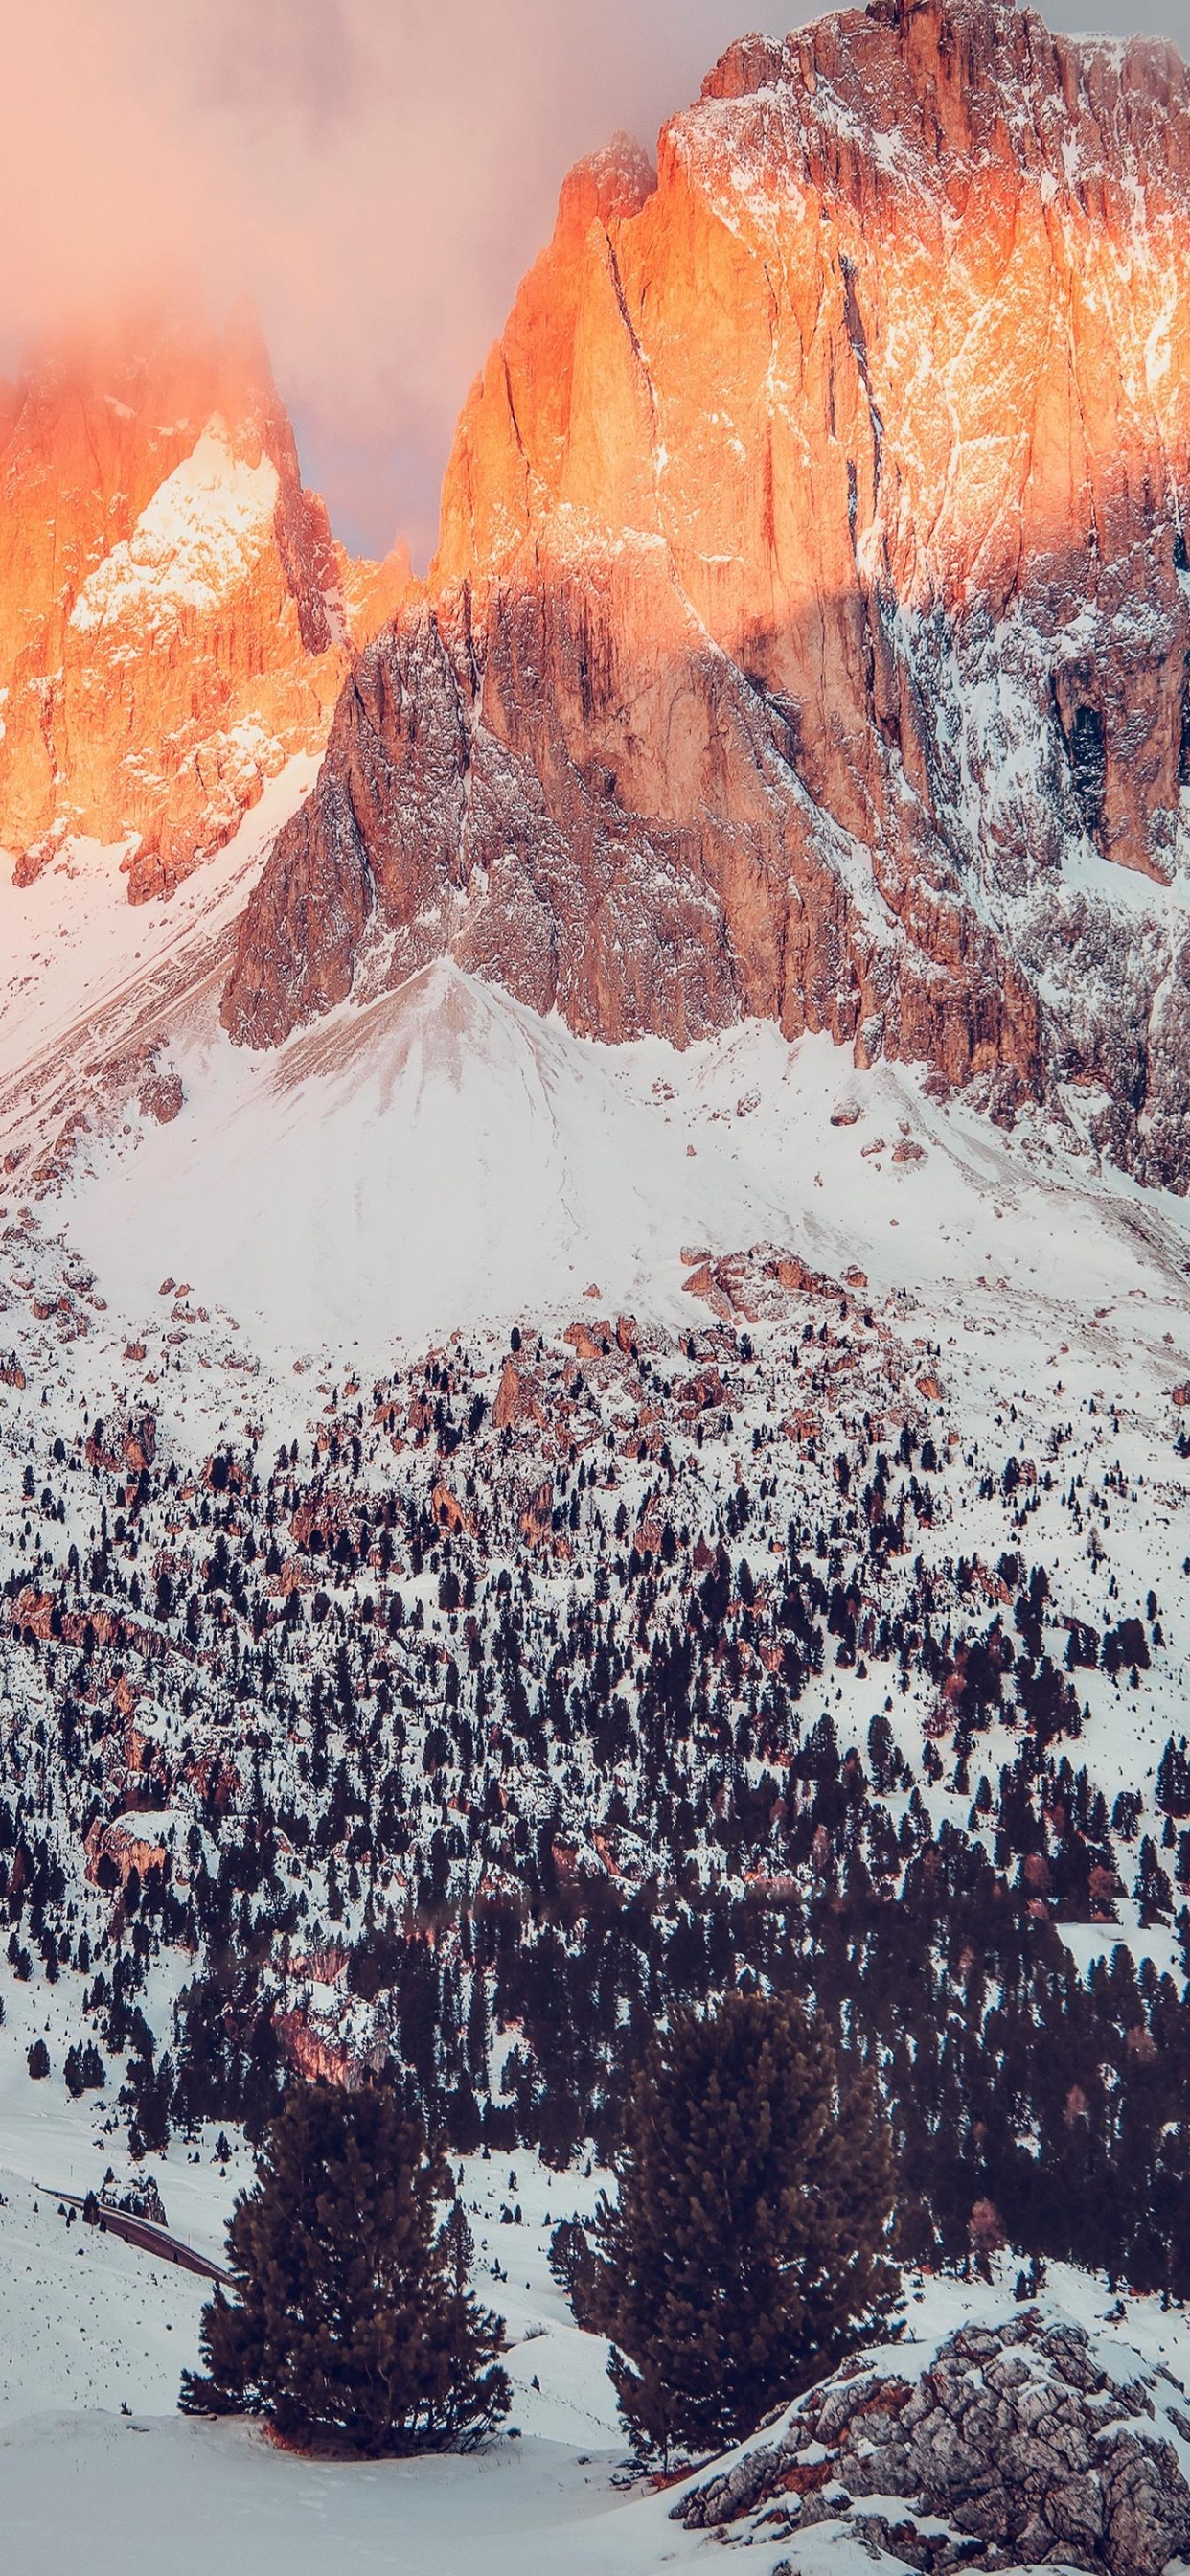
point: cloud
(375, 173)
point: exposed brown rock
(449, 1512)
(314, 2055)
(588, 1341)
(123, 1441)
(160, 1097)
(124, 1849)
(759, 1283)
(517, 1399)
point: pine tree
(351, 2322)
(746, 2240)
(93, 2070)
(1152, 1891)
(458, 2247)
(1173, 1779)
(574, 2269)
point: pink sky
(376, 173)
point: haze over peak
(379, 177)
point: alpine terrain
(595, 1382)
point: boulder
(1018, 2438)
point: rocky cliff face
(174, 614)
(809, 632)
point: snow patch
(193, 545)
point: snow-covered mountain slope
(1005, 1330)
(96, 2335)
(418, 1175)
(89, 987)
(441, 1164)
(200, 1234)
(443, 1155)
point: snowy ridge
(1035, 2435)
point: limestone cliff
(808, 634)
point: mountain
(627, 1438)
(808, 634)
(175, 617)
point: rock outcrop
(175, 617)
(1018, 2444)
(808, 633)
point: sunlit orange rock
(808, 633)
(175, 617)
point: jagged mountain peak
(808, 631)
(609, 184)
(175, 615)
(980, 58)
